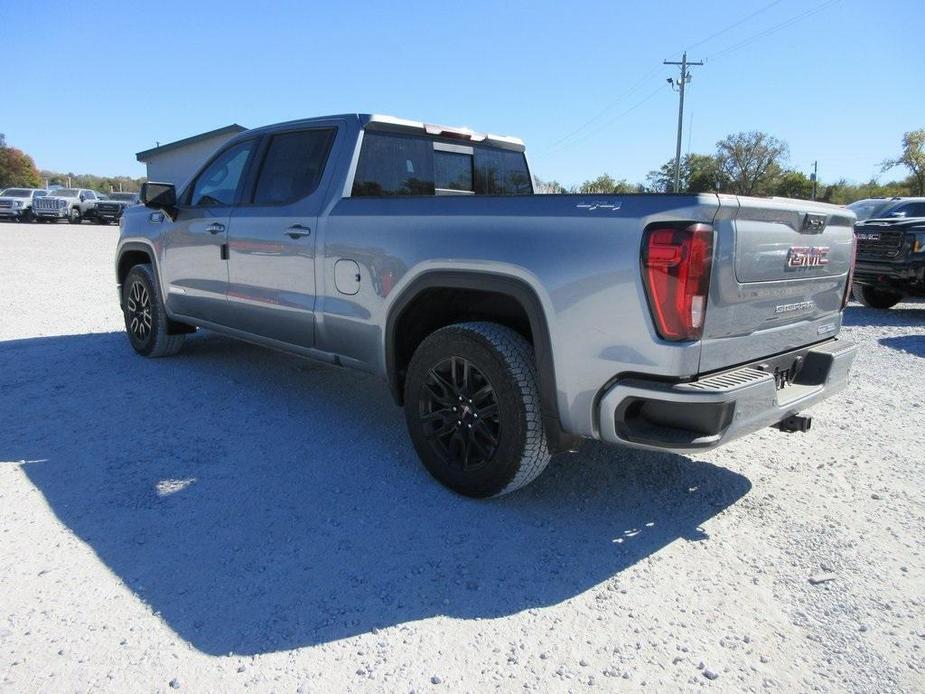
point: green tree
(794, 184)
(842, 193)
(751, 161)
(700, 173)
(16, 167)
(548, 187)
(913, 158)
(605, 183)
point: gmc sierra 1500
(510, 325)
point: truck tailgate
(779, 277)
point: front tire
(27, 217)
(74, 217)
(472, 406)
(875, 298)
(146, 322)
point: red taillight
(676, 267)
(854, 257)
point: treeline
(104, 184)
(17, 169)
(755, 163)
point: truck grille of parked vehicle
(49, 204)
(879, 244)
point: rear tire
(472, 406)
(875, 298)
(146, 322)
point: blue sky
(840, 86)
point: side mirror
(83, 198)
(159, 196)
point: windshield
(868, 209)
(65, 192)
(127, 197)
(17, 193)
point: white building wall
(178, 165)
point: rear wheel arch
(504, 299)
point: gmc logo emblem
(808, 256)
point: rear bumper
(721, 407)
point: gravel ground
(235, 518)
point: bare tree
(751, 161)
(912, 157)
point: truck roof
(378, 121)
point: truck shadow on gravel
(259, 502)
(912, 344)
(905, 314)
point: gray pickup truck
(509, 325)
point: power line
(734, 24)
(635, 88)
(777, 27)
(563, 142)
(612, 120)
(681, 82)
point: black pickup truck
(111, 209)
(890, 261)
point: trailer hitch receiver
(795, 423)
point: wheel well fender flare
(134, 247)
(513, 287)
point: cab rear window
(405, 165)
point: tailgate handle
(814, 223)
(215, 228)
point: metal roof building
(176, 162)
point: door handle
(297, 231)
(215, 228)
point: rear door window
(394, 165)
(292, 166)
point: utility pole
(815, 177)
(684, 79)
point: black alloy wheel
(138, 312)
(459, 413)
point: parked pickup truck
(16, 203)
(890, 260)
(72, 204)
(111, 209)
(509, 325)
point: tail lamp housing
(676, 267)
